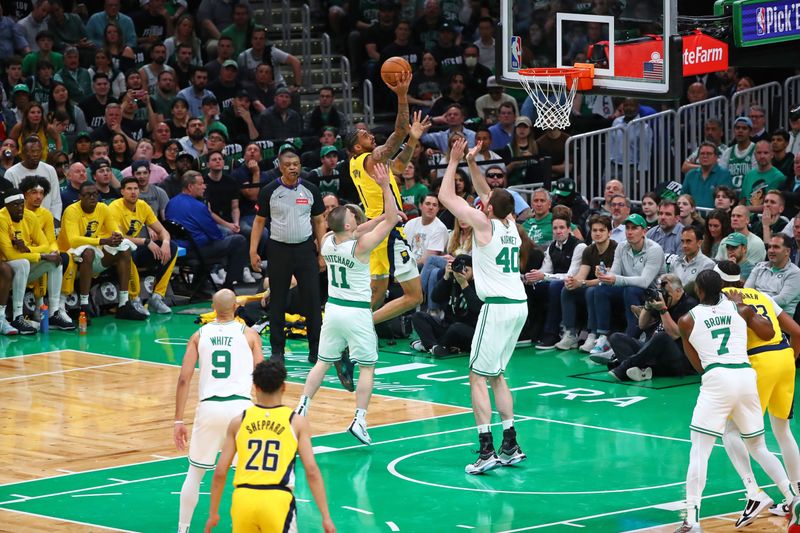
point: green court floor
(602, 455)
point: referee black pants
(300, 261)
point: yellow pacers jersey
(370, 192)
(28, 231)
(128, 222)
(266, 447)
(79, 228)
(48, 225)
(763, 305)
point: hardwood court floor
(86, 443)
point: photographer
(662, 353)
(456, 294)
(8, 157)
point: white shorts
(496, 334)
(208, 432)
(348, 325)
(97, 263)
(725, 393)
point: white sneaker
(139, 306)
(602, 352)
(568, 342)
(247, 276)
(219, 276)
(417, 346)
(753, 508)
(689, 528)
(589, 343)
(359, 430)
(156, 303)
(643, 374)
(7, 329)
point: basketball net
(552, 99)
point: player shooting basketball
(393, 256)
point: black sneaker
(344, 370)
(443, 351)
(62, 322)
(619, 372)
(129, 312)
(548, 342)
(23, 326)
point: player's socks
(183, 528)
(484, 428)
(190, 493)
(361, 414)
(508, 424)
(302, 407)
(84, 299)
(123, 298)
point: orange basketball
(392, 68)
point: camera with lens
(460, 263)
(8, 154)
(653, 295)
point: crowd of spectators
(121, 119)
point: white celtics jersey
(348, 278)
(496, 265)
(719, 334)
(225, 359)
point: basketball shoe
(753, 508)
(510, 452)
(358, 428)
(794, 517)
(686, 527)
(344, 370)
(487, 459)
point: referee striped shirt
(288, 210)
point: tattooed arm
(418, 127)
(382, 153)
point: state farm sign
(703, 54)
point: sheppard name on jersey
(718, 321)
(221, 341)
(340, 260)
(265, 425)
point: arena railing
(691, 124)
(369, 103)
(326, 59)
(767, 95)
(651, 152)
(791, 98)
(347, 92)
(588, 160)
(306, 44)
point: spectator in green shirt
(701, 181)
(540, 226)
(764, 171)
(411, 190)
(45, 40)
(241, 29)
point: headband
(14, 198)
(732, 278)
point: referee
(295, 211)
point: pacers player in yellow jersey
(773, 360)
(131, 216)
(266, 438)
(393, 256)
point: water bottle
(82, 325)
(602, 270)
(44, 324)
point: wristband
(178, 422)
(147, 241)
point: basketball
(392, 68)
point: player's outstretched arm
(685, 325)
(482, 188)
(313, 475)
(180, 433)
(382, 153)
(221, 472)
(760, 325)
(452, 201)
(368, 241)
(419, 126)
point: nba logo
(516, 53)
(761, 21)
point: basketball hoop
(552, 91)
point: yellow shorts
(775, 379)
(393, 257)
(265, 511)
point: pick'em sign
(757, 22)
